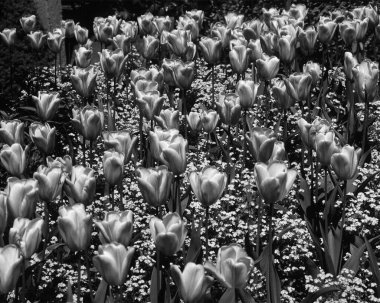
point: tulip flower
(81, 34)
(116, 227)
(309, 131)
(233, 20)
(269, 43)
(163, 23)
(14, 159)
(239, 58)
(142, 87)
(192, 283)
(197, 15)
(50, 182)
(129, 28)
(64, 163)
(232, 266)
(370, 12)
(88, 122)
(281, 96)
(115, 23)
(104, 32)
(8, 36)
(326, 30)
(307, 39)
(81, 187)
(208, 186)
(211, 49)
(314, 70)
(345, 162)
(84, 81)
(43, 136)
(366, 77)
(256, 50)
(113, 262)
(261, 142)
(274, 180)
(113, 165)
(22, 197)
(28, 23)
(3, 215)
(174, 155)
(325, 146)
(188, 23)
(229, 108)
(154, 184)
(268, 67)
(220, 31)
(150, 104)
(46, 105)
(147, 46)
(74, 226)
(160, 138)
(247, 91)
(152, 75)
(279, 152)
(54, 42)
(177, 41)
(287, 48)
(169, 233)
(113, 63)
(252, 29)
(36, 39)
(361, 27)
(27, 234)
(183, 75)
(11, 263)
(168, 119)
(69, 27)
(123, 42)
(347, 31)
(194, 121)
(146, 24)
(298, 86)
(82, 57)
(12, 131)
(209, 120)
(121, 141)
(168, 67)
(350, 61)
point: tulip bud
(281, 96)
(50, 182)
(232, 266)
(247, 91)
(82, 57)
(123, 42)
(168, 66)
(287, 48)
(14, 159)
(163, 23)
(268, 67)
(269, 14)
(28, 24)
(197, 15)
(113, 166)
(43, 136)
(233, 20)
(115, 23)
(209, 120)
(143, 87)
(8, 36)
(168, 119)
(12, 131)
(298, 86)
(46, 105)
(154, 184)
(211, 49)
(69, 27)
(261, 141)
(256, 50)
(169, 233)
(151, 75)
(370, 12)
(220, 31)
(208, 186)
(309, 131)
(183, 74)
(191, 52)
(279, 152)
(3, 214)
(177, 41)
(350, 61)
(113, 63)
(252, 29)
(159, 139)
(345, 162)
(84, 81)
(269, 43)
(11, 263)
(81, 187)
(64, 163)
(88, 122)
(307, 40)
(366, 77)
(81, 34)
(314, 70)
(347, 31)
(104, 32)
(274, 180)
(54, 42)
(174, 155)
(121, 141)
(325, 146)
(22, 197)
(36, 39)
(194, 121)
(150, 104)
(146, 24)
(239, 58)
(187, 23)
(229, 108)
(116, 227)
(27, 234)
(147, 46)
(74, 226)
(326, 30)
(192, 283)
(361, 27)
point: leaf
(69, 298)
(228, 296)
(28, 108)
(154, 288)
(374, 266)
(365, 183)
(49, 250)
(329, 209)
(334, 244)
(272, 278)
(100, 295)
(195, 244)
(305, 201)
(245, 296)
(248, 246)
(319, 293)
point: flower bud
(81, 34)
(314, 70)
(14, 159)
(239, 58)
(287, 48)
(150, 104)
(54, 41)
(168, 66)
(43, 136)
(159, 139)
(8, 36)
(252, 29)
(36, 39)
(81, 187)
(194, 121)
(151, 75)
(146, 24)
(233, 20)
(326, 30)
(347, 31)
(183, 74)
(64, 163)
(268, 67)
(370, 12)
(3, 213)
(269, 43)
(104, 32)
(113, 166)
(361, 27)
(46, 105)
(279, 152)
(345, 162)
(174, 155)
(84, 81)
(307, 40)
(28, 23)
(189, 24)
(163, 23)
(143, 87)
(366, 77)
(50, 182)
(113, 63)
(281, 96)
(12, 131)
(168, 119)
(123, 42)
(220, 31)
(256, 50)
(82, 57)
(325, 146)
(261, 141)
(298, 86)
(350, 61)
(209, 120)
(211, 49)
(197, 15)
(309, 131)
(147, 46)
(169, 233)
(229, 108)
(129, 28)
(88, 122)
(247, 91)
(11, 263)
(121, 141)
(69, 27)
(177, 41)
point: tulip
(233, 20)
(209, 120)
(268, 67)
(3, 215)
(115, 23)
(347, 31)
(169, 233)
(121, 141)
(229, 108)
(345, 162)
(337, 15)
(27, 234)
(325, 146)
(192, 283)
(113, 63)
(46, 105)
(261, 142)
(74, 226)
(298, 86)
(50, 182)
(154, 184)
(123, 42)
(188, 23)
(64, 163)
(309, 131)
(274, 180)
(168, 119)
(159, 139)
(326, 30)
(252, 29)
(129, 28)
(11, 263)
(314, 70)
(269, 43)
(307, 40)
(287, 48)
(22, 197)
(183, 74)
(220, 31)
(36, 39)
(256, 50)
(81, 187)
(174, 155)
(281, 96)
(43, 136)
(116, 227)
(232, 266)
(8, 36)
(150, 104)
(370, 12)
(151, 75)
(211, 49)
(177, 41)
(361, 27)
(194, 121)
(366, 76)
(69, 27)
(143, 87)
(12, 131)
(239, 58)
(208, 186)
(113, 262)
(297, 11)
(197, 15)
(82, 57)
(269, 14)
(84, 81)
(163, 23)
(350, 61)
(113, 165)
(104, 32)
(247, 91)
(54, 42)
(168, 66)
(146, 24)
(28, 24)
(147, 46)
(14, 159)
(88, 122)
(279, 152)
(81, 34)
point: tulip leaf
(272, 278)
(334, 243)
(101, 292)
(228, 296)
(365, 182)
(319, 293)
(167, 291)
(329, 210)
(69, 298)
(374, 266)
(154, 288)
(245, 296)
(28, 108)
(195, 244)
(305, 196)
(49, 250)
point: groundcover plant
(170, 161)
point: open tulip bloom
(81, 187)
(121, 141)
(50, 182)
(14, 159)
(11, 262)
(12, 131)
(43, 136)
(46, 105)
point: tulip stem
(10, 70)
(47, 238)
(259, 220)
(270, 256)
(141, 135)
(326, 220)
(365, 123)
(310, 151)
(84, 151)
(79, 279)
(88, 268)
(228, 158)
(253, 72)
(184, 110)
(158, 264)
(23, 291)
(285, 130)
(206, 231)
(266, 90)
(121, 195)
(213, 83)
(55, 70)
(244, 120)
(91, 154)
(344, 203)
(178, 192)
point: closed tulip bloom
(8, 36)
(174, 155)
(143, 87)
(64, 163)
(146, 24)
(115, 23)
(123, 42)
(247, 92)
(121, 141)
(287, 48)
(229, 108)
(84, 81)
(82, 57)
(22, 197)
(95, 26)
(239, 58)
(147, 46)
(50, 182)
(113, 166)
(268, 67)
(3, 213)
(105, 32)
(370, 12)
(43, 136)
(112, 63)
(209, 120)
(211, 49)
(325, 147)
(183, 74)
(269, 43)
(169, 233)
(69, 26)
(361, 27)
(192, 283)
(189, 24)
(88, 122)
(14, 159)
(220, 31)
(274, 180)
(150, 104)
(326, 30)
(159, 139)
(11, 131)
(54, 42)
(163, 23)
(151, 74)
(350, 61)
(232, 266)
(347, 31)
(154, 184)
(233, 20)
(46, 105)
(194, 121)
(314, 70)
(279, 152)
(178, 40)
(11, 263)
(197, 15)
(298, 86)
(256, 50)
(82, 185)
(261, 141)
(208, 186)
(297, 11)
(252, 29)
(27, 234)
(307, 39)
(168, 119)
(74, 226)
(309, 131)
(168, 65)
(81, 34)
(366, 77)
(345, 162)
(28, 23)
(36, 39)
(269, 14)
